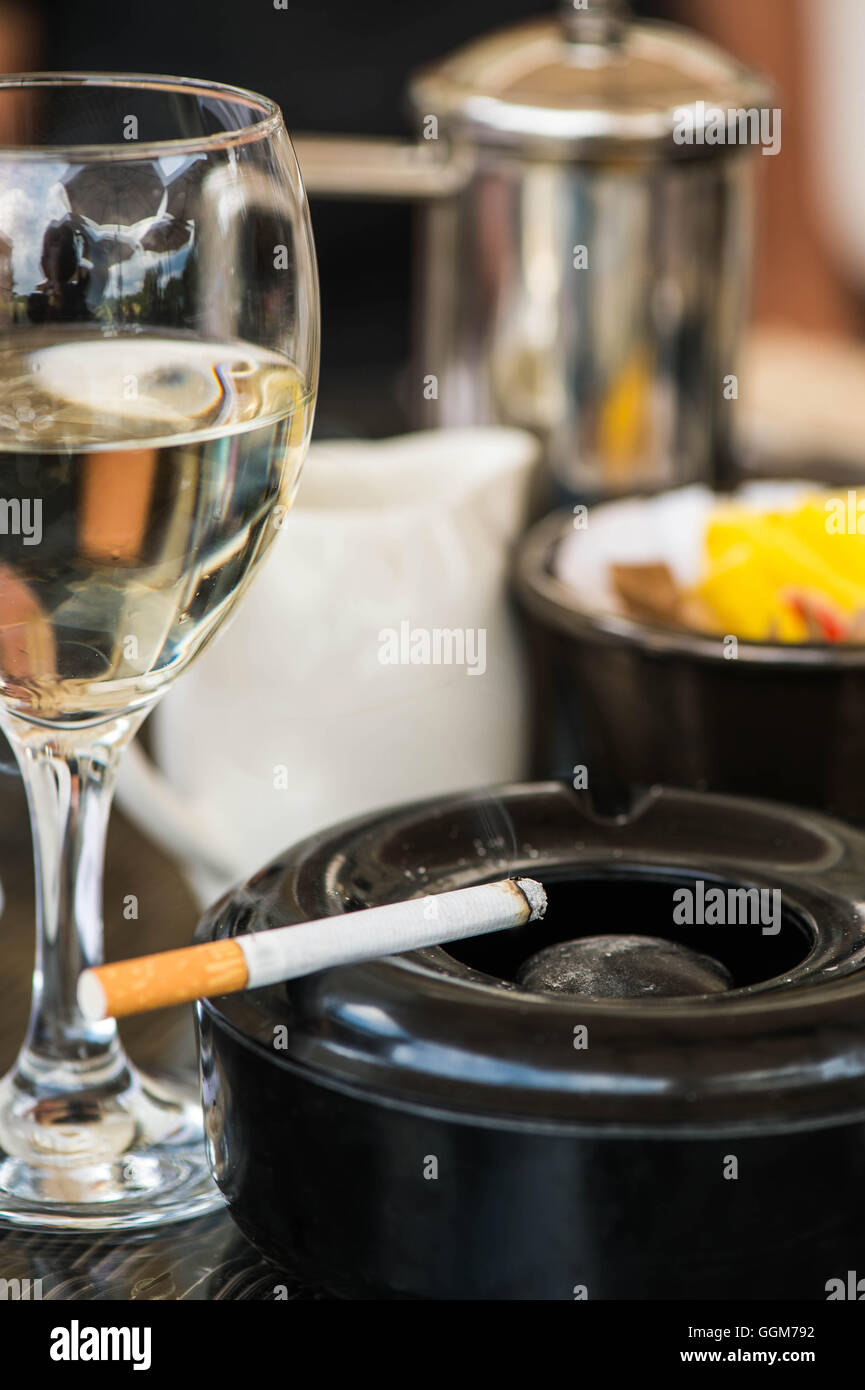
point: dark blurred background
(336, 65)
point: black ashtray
(432, 1125)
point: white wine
(142, 480)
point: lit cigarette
(265, 958)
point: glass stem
(69, 778)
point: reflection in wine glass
(27, 651)
(158, 366)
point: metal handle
(595, 21)
(345, 166)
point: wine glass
(158, 366)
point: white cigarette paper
(286, 952)
(246, 962)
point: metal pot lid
(592, 83)
(432, 1029)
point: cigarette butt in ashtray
(266, 958)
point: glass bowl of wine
(159, 329)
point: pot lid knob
(594, 21)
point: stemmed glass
(158, 368)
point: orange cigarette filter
(171, 977)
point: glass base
(102, 1158)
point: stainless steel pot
(582, 273)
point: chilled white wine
(142, 480)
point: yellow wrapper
(747, 604)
